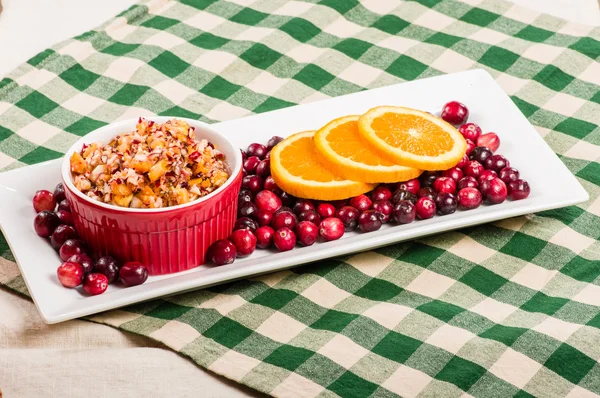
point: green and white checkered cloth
(511, 308)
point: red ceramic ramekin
(169, 239)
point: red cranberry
(70, 248)
(244, 242)
(284, 239)
(470, 131)
(59, 193)
(338, 204)
(283, 219)
(245, 223)
(518, 189)
(84, 260)
(481, 154)
(455, 113)
(270, 185)
(222, 252)
(428, 192)
(263, 170)
(251, 163)
(44, 200)
(256, 149)
(45, 222)
(331, 228)
(425, 208)
(445, 203)
(268, 156)
(325, 210)
(469, 198)
(509, 174)
(264, 237)
(494, 191)
(473, 169)
(465, 159)
(247, 209)
(404, 212)
(467, 182)
(70, 274)
(244, 173)
(403, 195)
(303, 205)
(61, 234)
(64, 205)
(65, 217)
(263, 217)
(107, 266)
(470, 146)
(273, 141)
(496, 163)
(489, 140)
(133, 273)
(361, 203)
(487, 175)
(268, 201)
(307, 233)
(384, 207)
(455, 173)
(94, 284)
(310, 215)
(244, 196)
(349, 217)
(445, 184)
(252, 183)
(286, 199)
(428, 178)
(284, 209)
(381, 193)
(411, 186)
(369, 221)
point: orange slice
(297, 170)
(412, 138)
(342, 150)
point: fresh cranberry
(247, 209)
(325, 210)
(445, 184)
(445, 203)
(489, 140)
(45, 222)
(518, 189)
(244, 173)
(61, 234)
(64, 205)
(270, 185)
(455, 113)
(307, 233)
(286, 199)
(133, 273)
(267, 156)
(70, 274)
(65, 217)
(481, 154)
(473, 169)
(331, 228)
(470, 146)
(263, 217)
(496, 163)
(369, 221)
(487, 175)
(467, 182)
(404, 212)
(349, 217)
(464, 160)
(425, 208)
(428, 178)
(338, 204)
(509, 174)
(264, 237)
(273, 141)
(244, 196)
(310, 215)
(59, 193)
(84, 260)
(428, 192)
(384, 207)
(107, 266)
(44, 200)
(303, 205)
(494, 191)
(256, 149)
(244, 242)
(283, 219)
(470, 131)
(245, 223)
(222, 252)
(253, 183)
(469, 198)
(455, 173)
(70, 248)
(361, 203)
(411, 186)
(403, 195)
(94, 284)
(263, 170)
(284, 239)
(251, 163)
(268, 201)
(284, 209)
(381, 193)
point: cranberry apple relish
(154, 166)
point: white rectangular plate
(490, 107)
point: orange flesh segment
(412, 134)
(300, 159)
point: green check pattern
(506, 309)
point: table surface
(34, 355)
